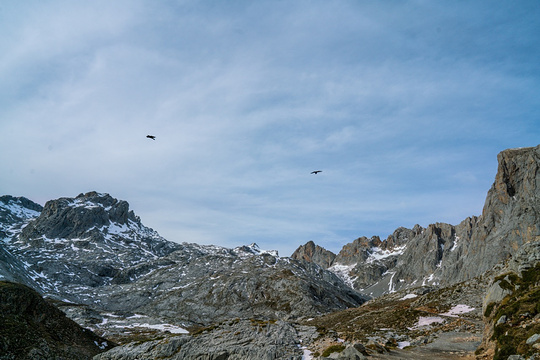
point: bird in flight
(151, 137)
(316, 172)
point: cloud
(403, 106)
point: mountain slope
(444, 254)
(30, 328)
(93, 250)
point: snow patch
(102, 346)
(307, 354)
(391, 285)
(427, 321)
(429, 279)
(456, 239)
(403, 344)
(342, 271)
(173, 329)
(457, 310)
(378, 254)
(20, 211)
(409, 296)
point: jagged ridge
(93, 250)
(446, 254)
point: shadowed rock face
(444, 254)
(30, 328)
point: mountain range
(91, 257)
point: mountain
(15, 212)
(438, 292)
(444, 254)
(92, 250)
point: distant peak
(19, 203)
(254, 246)
(254, 249)
(94, 195)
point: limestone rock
(315, 254)
(533, 339)
(444, 254)
(237, 339)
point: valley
(465, 291)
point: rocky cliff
(315, 254)
(444, 254)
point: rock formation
(92, 250)
(315, 254)
(235, 339)
(511, 307)
(30, 328)
(444, 254)
(112, 274)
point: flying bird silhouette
(151, 137)
(316, 172)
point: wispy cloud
(403, 106)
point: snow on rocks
(378, 254)
(409, 296)
(457, 310)
(427, 321)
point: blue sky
(404, 106)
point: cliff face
(315, 254)
(444, 254)
(509, 219)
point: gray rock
(494, 294)
(315, 254)
(351, 353)
(241, 339)
(533, 339)
(93, 250)
(501, 320)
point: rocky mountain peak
(16, 210)
(20, 202)
(315, 254)
(444, 254)
(72, 217)
(254, 249)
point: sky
(403, 105)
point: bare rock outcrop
(444, 254)
(236, 339)
(31, 328)
(315, 254)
